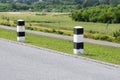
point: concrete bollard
(20, 30)
(78, 40)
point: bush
(60, 32)
(116, 34)
(99, 37)
(53, 30)
(6, 24)
(118, 39)
(89, 35)
(105, 37)
(46, 30)
(29, 28)
(93, 32)
(102, 13)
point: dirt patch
(14, 12)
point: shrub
(53, 30)
(105, 37)
(88, 35)
(93, 32)
(29, 28)
(118, 39)
(6, 24)
(60, 32)
(116, 34)
(99, 37)
(46, 30)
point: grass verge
(99, 52)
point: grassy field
(57, 22)
(104, 53)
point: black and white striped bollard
(78, 40)
(20, 30)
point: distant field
(61, 23)
(99, 52)
(57, 21)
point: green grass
(60, 21)
(99, 52)
(104, 53)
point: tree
(78, 1)
(102, 13)
(114, 2)
(3, 1)
(104, 1)
(55, 1)
(88, 3)
(39, 6)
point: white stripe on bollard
(78, 40)
(20, 30)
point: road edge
(62, 53)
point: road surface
(66, 37)
(24, 62)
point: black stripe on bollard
(78, 31)
(20, 34)
(20, 23)
(78, 45)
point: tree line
(102, 13)
(51, 5)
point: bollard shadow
(27, 42)
(88, 54)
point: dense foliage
(13, 7)
(51, 5)
(103, 13)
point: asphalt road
(70, 38)
(24, 62)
